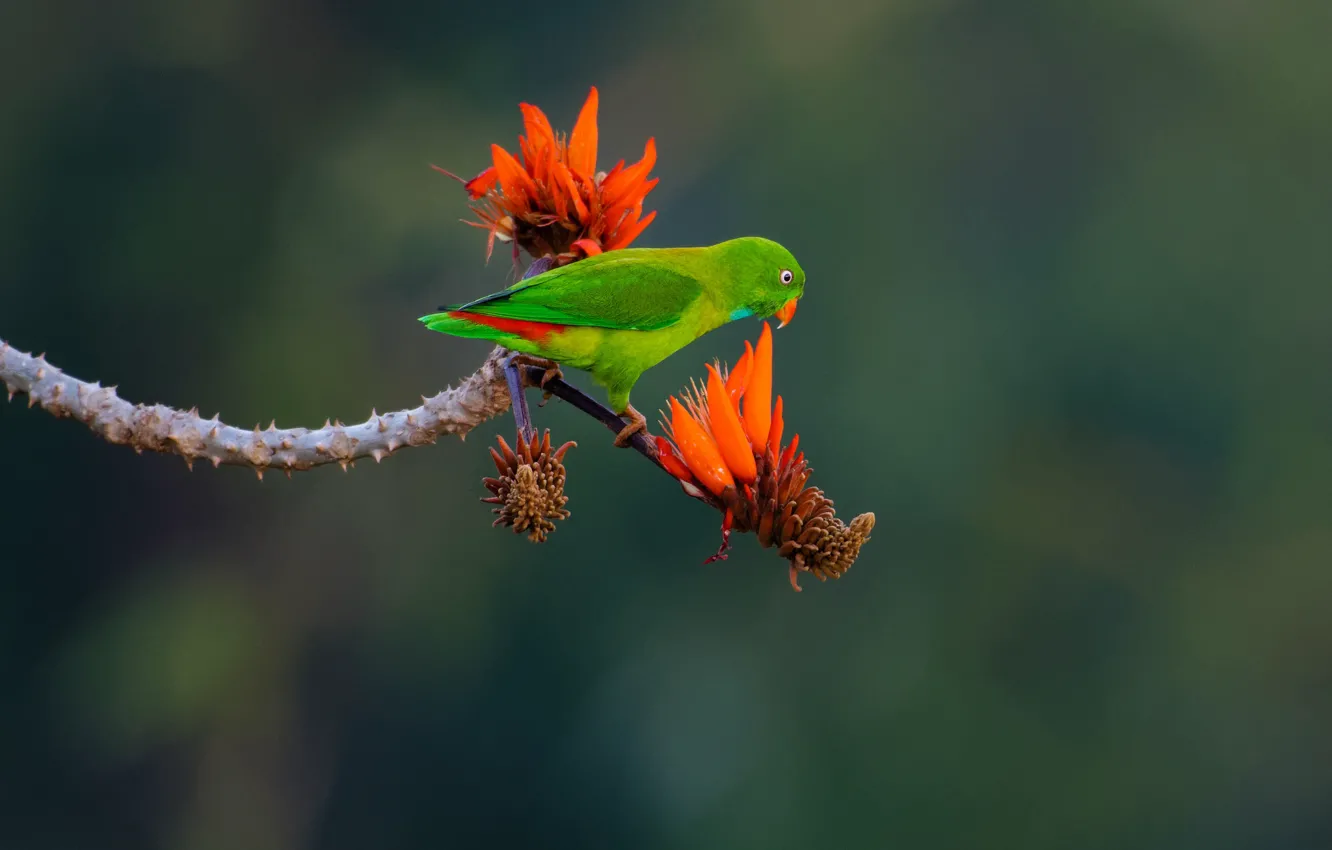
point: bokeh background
(1068, 333)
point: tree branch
(160, 428)
(640, 443)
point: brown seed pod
(529, 491)
(826, 546)
(800, 521)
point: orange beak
(787, 313)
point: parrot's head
(762, 279)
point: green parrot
(619, 313)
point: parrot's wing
(626, 295)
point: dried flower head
(551, 201)
(726, 446)
(529, 491)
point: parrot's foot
(637, 425)
(552, 372)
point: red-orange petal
(624, 221)
(567, 181)
(482, 183)
(739, 377)
(589, 247)
(758, 394)
(619, 166)
(616, 187)
(552, 156)
(631, 200)
(669, 459)
(775, 432)
(629, 232)
(514, 180)
(583, 140)
(527, 159)
(727, 431)
(560, 198)
(700, 453)
(790, 451)
(537, 127)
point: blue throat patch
(741, 313)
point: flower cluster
(551, 200)
(529, 491)
(726, 447)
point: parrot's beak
(787, 313)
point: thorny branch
(158, 428)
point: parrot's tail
(456, 324)
(494, 328)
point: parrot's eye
(787, 277)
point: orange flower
(553, 202)
(710, 440)
(736, 462)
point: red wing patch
(534, 331)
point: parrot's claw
(637, 425)
(552, 372)
(552, 369)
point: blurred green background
(1068, 333)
